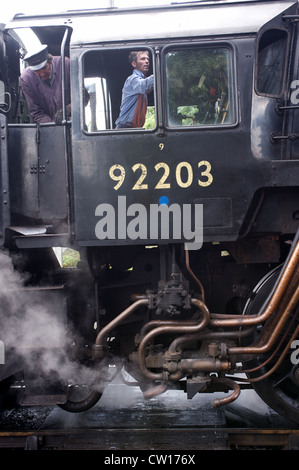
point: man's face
(45, 72)
(142, 62)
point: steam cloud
(32, 326)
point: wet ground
(123, 407)
(123, 421)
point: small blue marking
(163, 200)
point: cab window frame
(232, 84)
(283, 69)
(123, 51)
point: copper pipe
(153, 392)
(170, 329)
(117, 320)
(278, 347)
(135, 297)
(206, 364)
(231, 384)
(208, 335)
(278, 315)
(266, 346)
(242, 320)
(187, 262)
(157, 323)
(277, 364)
(101, 337)
(281, 358)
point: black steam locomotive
(186, 228)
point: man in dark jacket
(41, 82)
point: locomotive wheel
(280, 390)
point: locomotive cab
(185, 226)
(196, 96)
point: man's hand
(58, 118)
(59, 114)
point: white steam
(33, 326)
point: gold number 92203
(184, 175)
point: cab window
(199, 86)
(272, 53)
(105, 73)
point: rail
(208, 438)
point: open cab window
(199, 82)
(105, 72)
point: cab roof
(178, 20)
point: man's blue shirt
(135, 85)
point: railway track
(124, 422)
(168, 439)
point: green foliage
(70, 258)
(150, 120)
(197, 81)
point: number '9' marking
(117, 173)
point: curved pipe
(281, 358)
(231, 384)
(266, 346)
(277, 348)
(170, 329)
(153, 392)
(101, 338)
(82, 405)
(276, 365)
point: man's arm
(142, 85)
